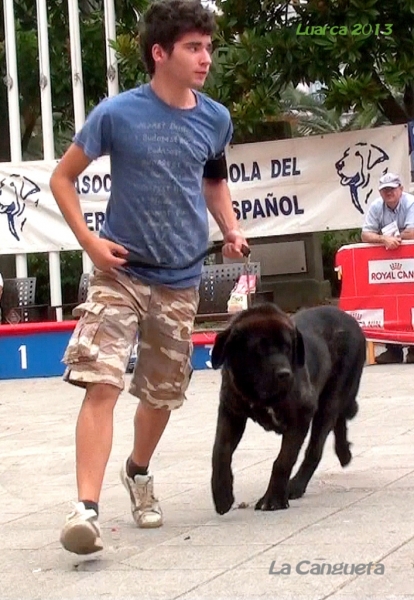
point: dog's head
(356, 164)
(358, 167)
(261, 349)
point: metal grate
(217, 282)
(18, 293)
(83, 287)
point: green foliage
(308, 114)
(71, 270)
(358, 71)
(331, 241)
(258, 57)
(92, 32)
(241, 80)
(130, 66)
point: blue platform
(36, 349)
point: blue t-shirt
(156, 208)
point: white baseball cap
(389, 180)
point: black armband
(216, 168)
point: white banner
(299, 185)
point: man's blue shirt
(379, 214)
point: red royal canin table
(377, 288)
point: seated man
(390, 219)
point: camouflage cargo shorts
(117, 307)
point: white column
(48, 140)
(55, 283)
(44, 81)
(111, 62)
(87, 264)
(77, 85)
(76, 64)
(12, 84)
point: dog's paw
(224, 504)
(268, 502)
(223, 501)
(344, 454)
(296, 489)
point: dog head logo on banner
(359, 168)
(15, 192)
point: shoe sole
(150, 525)
(81, 539)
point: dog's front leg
(276, 496)
(230, 428)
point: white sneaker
(145, 509)
(81, 533)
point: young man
(389, 220)
(166, 144)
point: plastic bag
(239, 295)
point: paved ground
(359, 515)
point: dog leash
(133, 260)
(247, 270)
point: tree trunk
(4, 126)
(30, 119)
(393, 111)
(409, 100)
(7, 266)
(389, 105)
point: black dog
(284, 374)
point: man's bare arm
(389, 241)
(62, 183)
(407, 234)
(218, 200)
(370, 237)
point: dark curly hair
(166, 21)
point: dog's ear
(219, 348)
(298, 349)
(376, 155)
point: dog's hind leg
(322, 425)
(342, 446)
(348, 394)
(338, 396)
